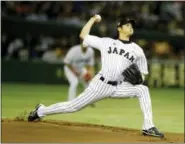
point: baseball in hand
(98, 17)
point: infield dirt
(60, 131)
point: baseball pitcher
(122, 74)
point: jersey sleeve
(142, 63)
(92, 41)
(91, 60)
(69, 57)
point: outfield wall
(162, 73)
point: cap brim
(132, 22)
(127, 21)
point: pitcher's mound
(59, 131)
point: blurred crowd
(160, 16)
(53, 49)
(165, 16)
(49, 49)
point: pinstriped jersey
(116, 56)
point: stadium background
(35, 37)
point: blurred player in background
(79, 67)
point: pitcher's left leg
(146, 105)
(142, 92)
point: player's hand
(97, 18)
(87, 76)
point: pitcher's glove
(133, 75)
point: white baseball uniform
(79, 60)
(116, 55)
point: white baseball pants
(98, 90)
(73, 82)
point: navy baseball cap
(124, 21)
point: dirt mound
(60, 131)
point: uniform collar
(125, 42)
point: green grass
(168, 107)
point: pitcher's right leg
(85, 98)
(95, 92)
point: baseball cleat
(33, 116)
(153, 132)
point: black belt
(114, 83)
